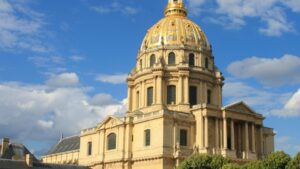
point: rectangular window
(183, 137)
(171, 94)
(208, 96)
(147, 137)
(149, 96)
(193, 95)
(89, 149)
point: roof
(14, 164)
(16, 151)
(66, 144)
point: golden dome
(175, 29)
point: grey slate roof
(66, 144)
(13, 164)
(18, 150)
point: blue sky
(63, 65)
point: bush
(253, 165)
(231, 166)
(218, 161)
(294, 163)
(277, 160)
(200, 161)
(196, 161)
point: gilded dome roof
(175, 29)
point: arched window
(111, 141)
(171, 58)
(152, 60)
(191, 59)
(171, 94)
(149, 96)
(147, 137)
(193, 95)
(206, 63)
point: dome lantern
(175, 7)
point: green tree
(218, 161)
(196, 161)
(231, 166)
(200, 161)
(276, 160)
(253, 165)
(294, 163)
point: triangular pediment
(240, 107)
(110, 122)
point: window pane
(149, 96)
(111, 141)
(171, 58)
(171, 94)
(191, 59)
(206, 63)
(193, 95)
(147, 137)
(183, 137)
(208, 96)
(89, 148)
(152, 60)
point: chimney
(5, 144)
(29, 160)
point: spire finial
(175, 7)
(61, 136)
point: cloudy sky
(63, 65)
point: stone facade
(174, 107)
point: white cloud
(40, 112)
(293, 4)
(233, 14)
(291, 107)
(77, 58)
(115, 7)
(194, 6)
(63, 80)
(269, 11)
(261, 100)
(113, 79)
(20, 27)
(268, 71)
(45, 124)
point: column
(253, 138)
(261, 141)
(232, 135)
(130, 98)
(186, 90)
(180, 87)
(225, 133)
(217, 138)
(154, 90)
(246, 137)
(175, 140)
(206, 131)
(199, 130)
(159, 90)
(143, 95)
